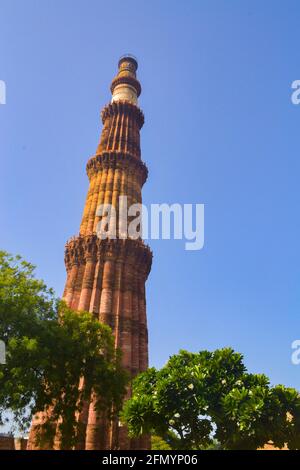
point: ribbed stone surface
(107, 277)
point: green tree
(49, 349)
(157, 443)
(198, 399)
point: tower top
(125, 86)
(128, 58)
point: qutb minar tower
(107, 276)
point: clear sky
(220, 129)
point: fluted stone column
(107, 277)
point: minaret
(107, 276)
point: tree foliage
(49, 349)
(198, 399)
(157, 443)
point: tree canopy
(49, 349)
(199, 399)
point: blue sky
(220, 129)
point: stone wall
(12, 443)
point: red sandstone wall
(11, 443)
